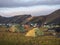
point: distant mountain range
(24, 19)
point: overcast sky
(33, 7)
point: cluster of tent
(16, 28)
(33, 32)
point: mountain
(16, 19)
(19, 19)
(3, 19)
(38, 19)
(54, 17)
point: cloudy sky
(34, 7)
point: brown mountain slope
(23, 19)
(15, 19)
(53, 16)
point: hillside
(15, 19)
(38, 19)
(53, 16)
(3, 19)
(23, 19)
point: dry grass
(7, 38)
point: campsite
(34, 31)
(33, 36)
(29, 22)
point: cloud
(33, 10)
(24, 3)
(34, 7)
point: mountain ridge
(23, 19)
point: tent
(34, 32)
(16, 28)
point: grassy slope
(7, 38)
